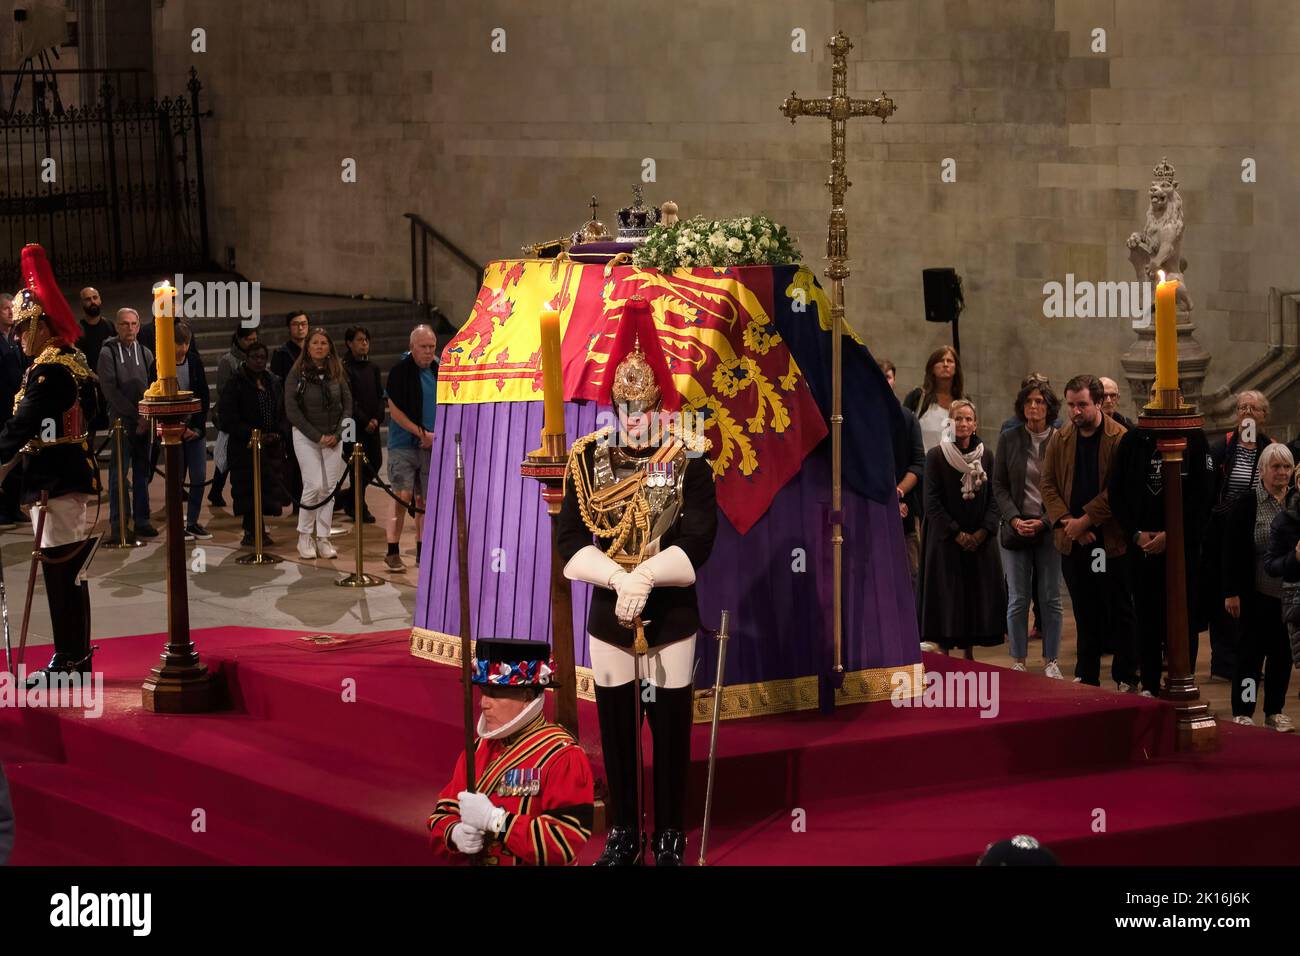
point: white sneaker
(1053, 671)
(1244, 721)
(1077, 680)
(1147, 693)
(325, 549)
(306, 547)
(930, 647)
(1018, 666)
(1124, 688)
(1280, 722)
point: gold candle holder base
(1168, 401)
(554, 448)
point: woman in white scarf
(962, 589)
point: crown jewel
(635, 221)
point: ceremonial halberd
(749, 348)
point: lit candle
(1166, 337)
(552, 377)
(164, 311)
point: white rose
(735, 245)
(717, 238)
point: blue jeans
(137, 480)
(1041, 564)
(196, 460)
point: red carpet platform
(297, 774)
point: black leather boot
(616, 712)
(69, 611)
(623, 847)
(669, 847)
(670, 723)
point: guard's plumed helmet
(41, 297)
(641, 379)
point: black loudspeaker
(943, 298)
(943, 301)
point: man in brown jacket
(1076, 472)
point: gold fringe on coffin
(738, 700)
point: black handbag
(1012, 541)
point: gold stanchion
(258, 556)
(358, 578)
(119, 463)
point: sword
(31, 576)
(713, 734)
(4, 616)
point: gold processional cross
(838, 107)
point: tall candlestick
(164, 311)
(552, 377)
(1166, 340)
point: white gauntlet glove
(478, 811)
(633, 588)
(669, 568)
(466, 839)
(593, 566)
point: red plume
(40, 280)
(637, 324)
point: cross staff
(838, 107)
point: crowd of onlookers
(309, 401)
(1071, 490)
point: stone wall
(1053, 143)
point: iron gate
(123, 196)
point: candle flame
(1161, 273)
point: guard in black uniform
(48, 435)
(645, 495)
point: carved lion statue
(1160, 243)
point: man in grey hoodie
(124, 374)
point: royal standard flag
(728, 360)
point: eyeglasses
(1114, 395)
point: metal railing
(111, 188)
(422, 291)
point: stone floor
(129, 591)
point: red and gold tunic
(545, 828)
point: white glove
(466, 839)
(593, 566)
(633, 589)
(478, 811)
(670, 568)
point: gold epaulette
(51, 355)
(74, 363)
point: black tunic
(963, 596)
(671, 613)
(49, 391)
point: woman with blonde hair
(963, 598)
(317, 401)
(1253, 596)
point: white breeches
(667, 666)
(65, 520)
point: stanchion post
(258, 556)
(119, 465)
(358, 578)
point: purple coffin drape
(775, 580)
